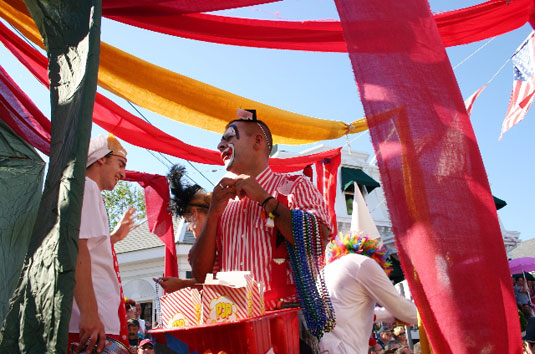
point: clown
(252, 214)
(356, 277)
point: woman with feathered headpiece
(190, 202)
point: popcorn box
(231, 297)
(258, 297)
(181, 308)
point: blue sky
(323, 85)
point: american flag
(523, 84)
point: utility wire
(146, 120)
(165, 157)
(499, 70)
(474, 53)
(508, 60)
(22, 36)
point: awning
(499, 203)
(350, 175)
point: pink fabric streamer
(456, 27)
(438, 196)
(20, 114)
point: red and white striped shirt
(244, 240)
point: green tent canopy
(350, 175)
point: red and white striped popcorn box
(260, 301)
(255, 306)
(181, 308)
(231, 297)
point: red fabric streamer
(182, 6)
(442, 212)
(20, 114)
(456, 27)
(159, 218)
(326, 178)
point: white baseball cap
(101, 146)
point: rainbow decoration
(358, 243)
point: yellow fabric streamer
(424, 341)
(184, 99)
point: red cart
(276, 330)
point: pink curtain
(443, 216)
(456, 27)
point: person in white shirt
(142, 327)
(97, 303)
(356, 279)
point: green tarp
(21, 183)
(38, 317)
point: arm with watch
(280, 213)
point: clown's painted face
(226, 145)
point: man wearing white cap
(97, 307)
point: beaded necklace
(158, 304)
(307, 262)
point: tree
(124, 194)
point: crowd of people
(525, 299)
(393, 340)
(254, 220)
(524, 295)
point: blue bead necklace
(306, 261)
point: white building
(141, 258)
(141, 254)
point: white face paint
(228, 156)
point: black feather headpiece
(181, 193)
